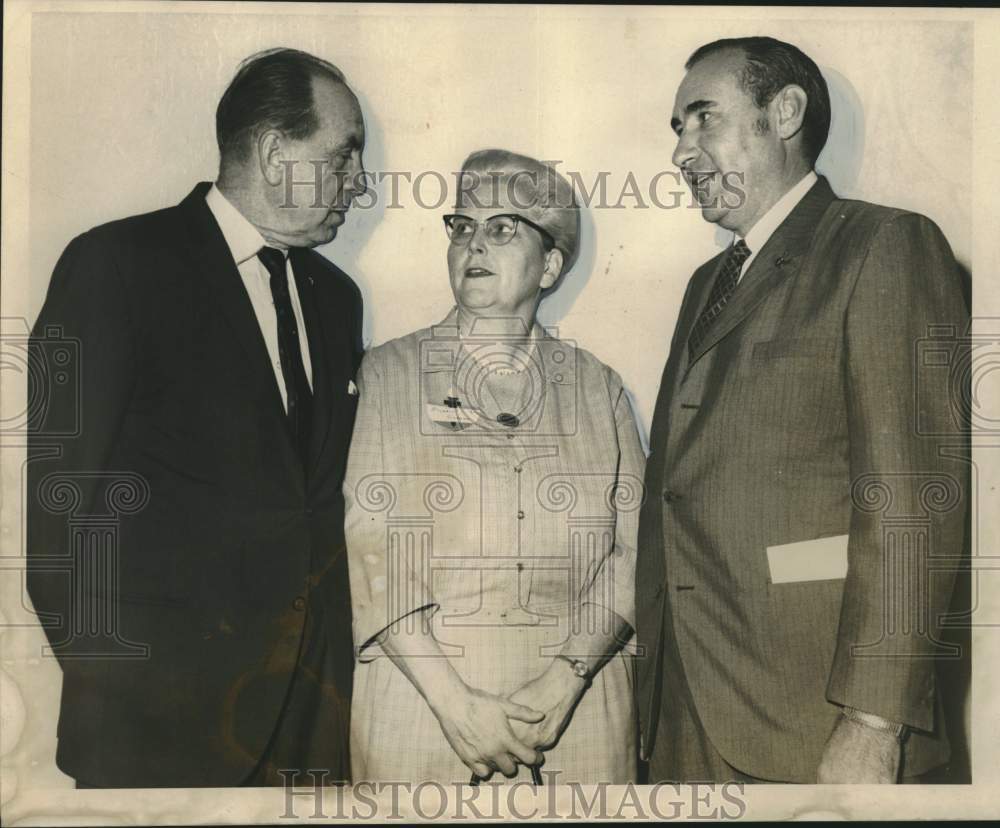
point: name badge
(448, 416)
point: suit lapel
(779, 260)
(211, 255)
(677, 360)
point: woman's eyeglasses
(499, 230)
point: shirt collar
(758, 235)
(243, 239)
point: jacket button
(670, 497)
(299, 603)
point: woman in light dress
(492, 493)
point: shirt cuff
(873, 721)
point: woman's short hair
(532, 188)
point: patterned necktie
(722, 290)
(297, 391)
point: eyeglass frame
(547, 237)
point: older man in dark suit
(790, 574)
(205, 638)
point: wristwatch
(580, 668)
(873, 721)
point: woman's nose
(477, 243)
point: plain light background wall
(122, 121)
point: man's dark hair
(271, 90)
(771, 65)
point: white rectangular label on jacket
(814, 560)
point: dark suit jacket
(807, 412)
(177, 632)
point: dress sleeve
(386, 583)
(615, 578)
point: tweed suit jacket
(806, 413)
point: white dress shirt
(758, 235)
(244, 241)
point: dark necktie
(297, 391)
(722, 290)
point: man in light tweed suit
(789, 581)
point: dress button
(299, 603)
(520, 566)
(520, 515)
(670, 497)
(517, 469)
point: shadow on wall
(559, 299)
(840, 160)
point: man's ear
(788, 110)
(270, 156)
(553, 267)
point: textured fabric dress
(494, 534)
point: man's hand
(477, 725)
(555, 692)
(858, 754)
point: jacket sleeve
(387, 582)
(83, 351)
(908, 498)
